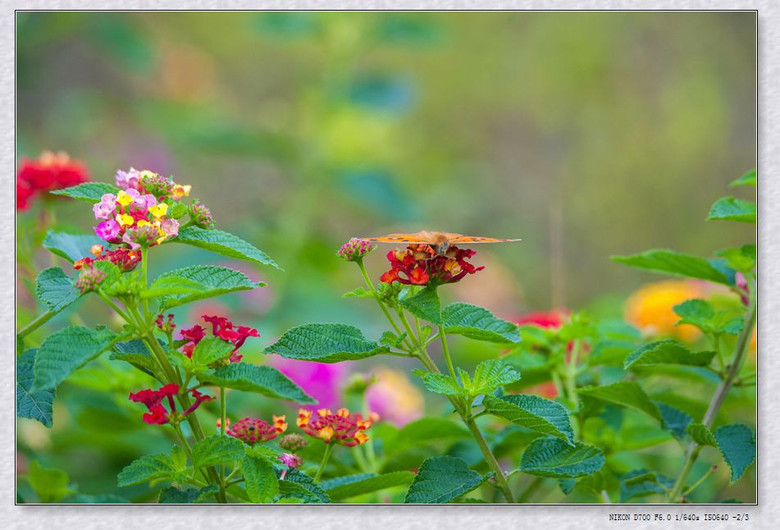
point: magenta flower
(108, 231)
(321, 381)
(105, 208)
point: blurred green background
(585, 134)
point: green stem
(115, 307)
(740, 350)
(144, 268)
(223, 415)
(378, 301)
(490, 458)
(445, 348)
(35, 324)
(699, 482)
(324, 461)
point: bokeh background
(585, 134)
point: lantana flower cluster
(90, 278)
(158, 414)
(135, 219)
(344, 428)
(50, 171)
(253, 430)
(421, 265)
(220, 327)
(355, 249)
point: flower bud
(90, 279)
(355, 249)
(155, 184)
(201, 216)
(293, 442)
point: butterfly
(439, 241)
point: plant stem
(490, 458)
(693, 449)
(35, 324)
(223, 415)
(115, 307)
(144, 268)
(371, 288)
(324, 461)
(446, 350)
(699, 482)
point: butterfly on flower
(440, 242)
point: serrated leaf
(169, 286)
(553, 457)
(298, 483)
(733, 209)
(325, 343)
(748, 179)
(50, 485)
(490, 375)
(213, 281)
(260, 480)
(210, 350)
(533, 412)
(354, 485)
(674, 420)
(737, 444)
(441, 479)
(360, 292)
(66, 351)
(667, 351)
(391, 340)
(223, 243)
(626, 393)
(441, 384)
(610, 352)
(135, 353)
(87, 191)
(701, 434)
(173, 495)
(72, 247)
(478, 323)
(425, 431)
(641, 483)
(259, 379)
(33, 405)
(425, 305)
(55, 289)
(216, 450)
(152, 468)
(675, 264)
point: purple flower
(321, 381)
(105, 208)
(127, 179)
(170, 227)
(108, 231)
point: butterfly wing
(460, 239)
(419, 237)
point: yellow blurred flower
(650, 308)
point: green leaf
(173, 495)
(66, 351)
(55, 289)
(50, 485)
(391, 340)
(479, 324)
(212, 281)
(259, 379)
(135, 353)
(210, 350)
(425, 431)
(441, 479)
(626, 393)
(358, 293)
(440, 384)
(223, 243)
(33, 405)
(675, 264)
(262, 484)
(153, 468)
(553, 457)
(425, 305)
(532, 412)
(325, 343)
(171, 285)
(72, 247)
(490, 375)
(217, 449)
(674, 420)
(737, 444)
(742, 258)
(87, 191)
(701, 434)
(733, 209)
(748, 179)
(667, 351)
(641, 483)
(610, 352)
(299, 485)
(354, 485)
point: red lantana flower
(343, 427)
(123, 258)
(253, 430)
(421, 265)
(222, 328)
(51, 171)
(153, 399)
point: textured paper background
(412, 517)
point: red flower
(123, 258)
(157, 414)
(421, 265)
(222, 328)
(544, 319)
(49, 172)
(253, 430)
(343, 427)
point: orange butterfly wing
(429, 238)
(420, 237)
(476, 239)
